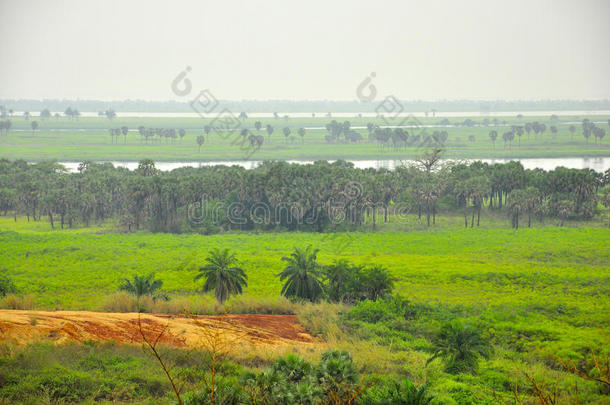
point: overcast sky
(310, 49)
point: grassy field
(88, 138)
(539, 293)
(493, 267)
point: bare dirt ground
(23, 327)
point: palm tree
(405, 393)
(143, 285)
(302, 275)
(222, 274)
(301, 133)
(286, 132)
(269, 130)
(34, 125)
(493, 135)
(572, 129)
(200, 141)
(461, 346)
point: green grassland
(88, 139)
(539, 293)
(493, 269)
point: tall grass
(13, 301)
(199, 305)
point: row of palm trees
(224, 275)
(588, 128)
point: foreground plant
(222, 275)
(397, 393)
(144, 285)
(461, 346)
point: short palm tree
(143, 285)
(222, 274)
(461, 346)
(302, 275)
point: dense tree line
(316, 197)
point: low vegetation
(501, 309)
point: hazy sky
(310, 49)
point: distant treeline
(277, 195)
(270, 106)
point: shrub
(292, 368)
(6, 286)
(351, 283)
(461, 345)
(13, 301)
(382, 310)
(397, 393)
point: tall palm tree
(200, 141)
(493, 135)
(461, 346)
(302, 275)
(222, 274)
(269, 130)
(143, 285)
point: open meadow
(540, 294)
(75, 140)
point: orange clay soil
(24, 327)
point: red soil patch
(24, 327)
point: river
(598, 164)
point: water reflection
(598, 164)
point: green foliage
(143, 285)
(540, 292)
(349, 283)
(222, 274)
(292, 367)
(461, 345)
(302, 275)
(6, 285)
(397, 393)
(45, 373)
(382, 310)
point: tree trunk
(51, 219)
(472, 219)
(374, 216)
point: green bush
(395, 393)
(382, 310)
(6, 285)
(350, 283)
